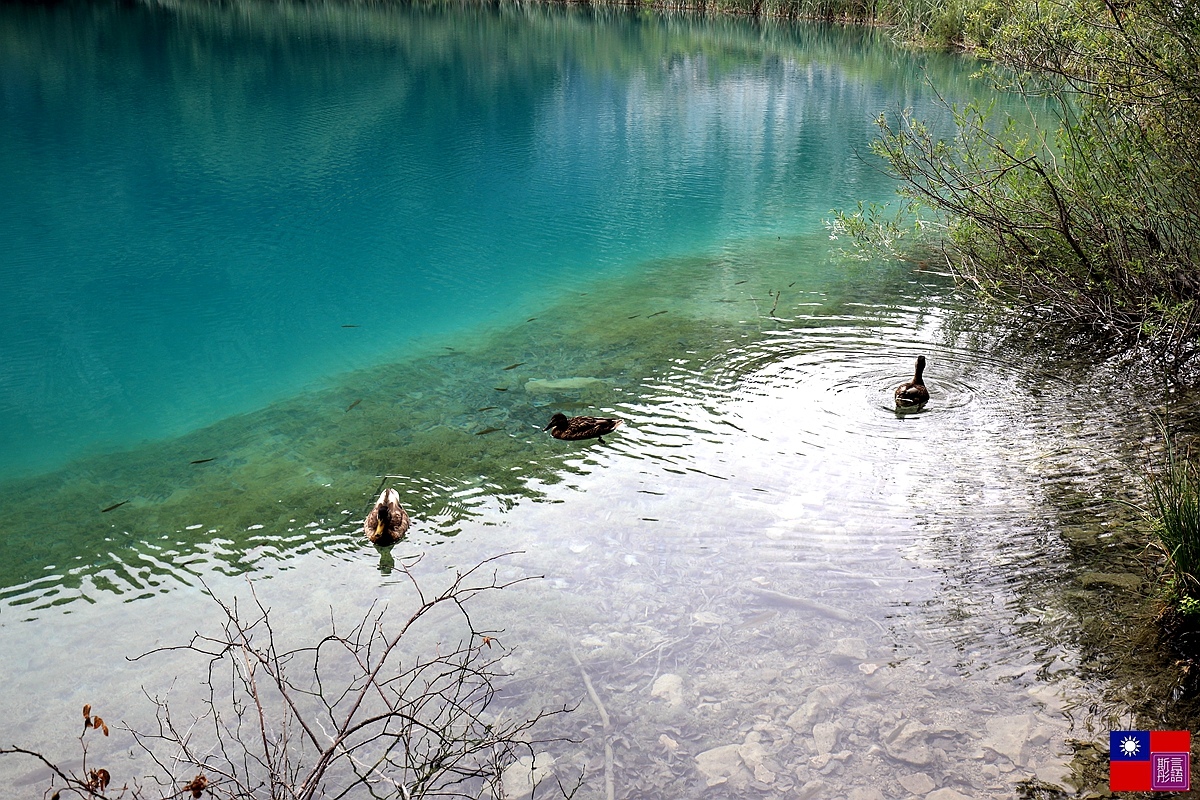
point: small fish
(790, 285)
(451, 349)
(738, 283)
(352, 405)
(635, 316)
(754, 620)
(531, 319)
(487, 408)
(114, 505)
(499, 389)
(803, 603)
(486, 431)
(204, 460)
(656, 313)
(349, 326)
(513, 366)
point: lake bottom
(777, 584)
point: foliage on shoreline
(1091, 216)
(926, 22)
(1174, 492)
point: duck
(574, 428)
(388, 521)
(913, 394)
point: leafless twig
(378, 709)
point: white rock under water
(523, 775)
(547, 385)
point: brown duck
(913, 394)
(388, 522)
(574, 428)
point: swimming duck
(913, 394)
(388, 521)
(561, 427)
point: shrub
(1174, 491)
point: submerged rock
(946, 794)
(917, 782)
(1008, 735)
(812, 789)
(523, 775)
(854, 649)
(908, 743)
(865, 793)
(825, 735)
(754, 755)
(1122, 580)
(547, 385)
(670, 688)
(722, 764)
(738, 764)
(817, 705)
(1052, 773)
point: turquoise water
(197, 208)
(263, 259)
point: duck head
(388, 507)
(557, 421)
(920, 369)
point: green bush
(1089, 215)
(1175, 514)
(948, 26)
(983, 21)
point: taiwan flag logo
(1149, 761)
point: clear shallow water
(630, 202)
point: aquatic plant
(1174, 491)
(378, 709)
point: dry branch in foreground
(378, 709)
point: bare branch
(360, 710)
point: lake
(262, 260)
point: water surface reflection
(777, 584)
